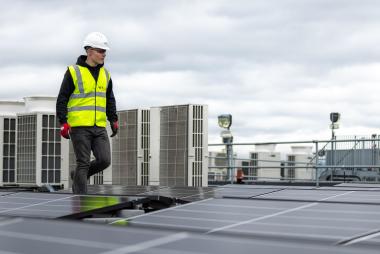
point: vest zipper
(96, 85)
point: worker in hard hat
(240, 176)
(85, 102)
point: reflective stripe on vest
(87, 104)
(83, 108)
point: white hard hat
(96, 40)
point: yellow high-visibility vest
(87, 104)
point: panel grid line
(149, 244)
(357, 239)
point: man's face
(97, 55)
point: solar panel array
(232, 218)
(331, 216)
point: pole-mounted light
(334, 117)
(225, 121)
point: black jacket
(67, 88)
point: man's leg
(102, 152)
(81, 138)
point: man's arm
(111, 104)
(67, 88)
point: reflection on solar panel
(183, 193)
(120, 190)
(46, 205)
(20, 235)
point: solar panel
(21, 235)
(330, 195)
(353, 188)
(48, 205)
(359, 185)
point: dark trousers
(85, 140)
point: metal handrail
(313, 163)
(295, 142)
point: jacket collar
(82, 62)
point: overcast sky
(278, 66)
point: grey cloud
(277, 66)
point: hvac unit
(179, 148)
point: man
(85, 101)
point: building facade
(218, 166)
(300, 164)
(264, 164)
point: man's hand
(115, 128)
(65, 130)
